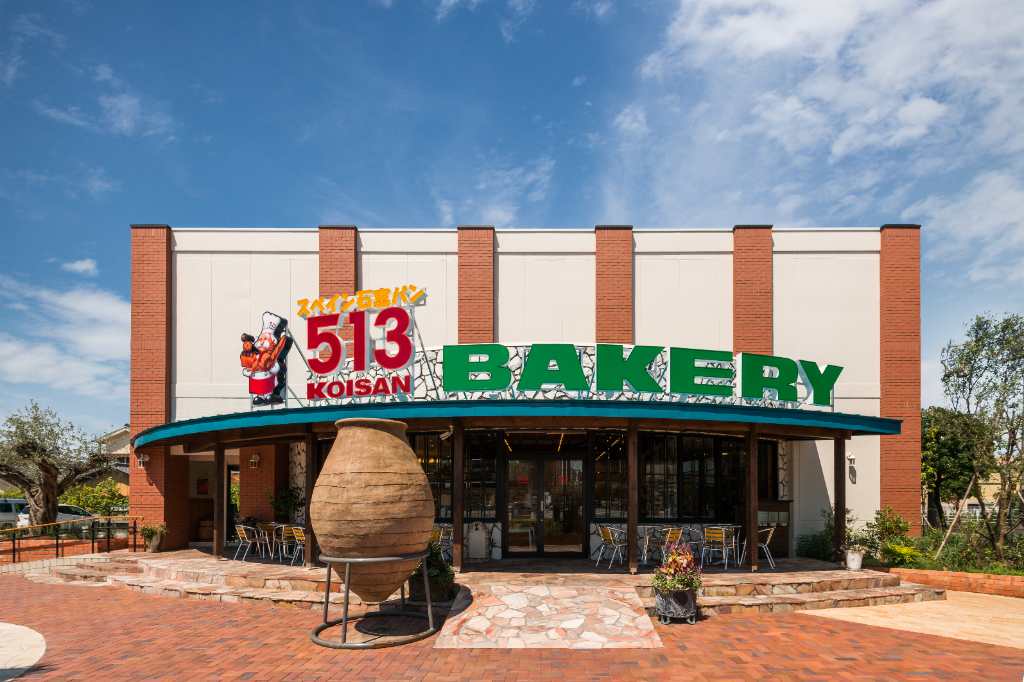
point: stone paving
(20, 648)
(129, 636)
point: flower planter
(675, 604)
(154, 543)
(853, 560)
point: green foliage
(899, 555)
(888, 528)
(149, 530)
(679, 571)
(234, 493)
(968, 550)
(821, 545)
(13, 492)
(860, 541)
(437, 568)
(103, 499)
(949, 453)
(287, 501)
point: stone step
(302, 599)
(746, 584)
(111, 567)
(238, 574)
(86, 574)
(805, 601)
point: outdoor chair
(435, 535)
(269, 531)
(447, 551)
(609, 541)
(300, 544)
(250, 536)
(669, 536)
(699, 542)
(764, 545)
(721, 540)
(287, 536)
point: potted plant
(676, 583)
(857, 543)
(287, 501)
(440, 575)
(153, 533)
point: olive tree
(45, 456)
(983, 378)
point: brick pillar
(254, 484)
(159, 492)
(614, 283)
(900, 306)
(476, 284)
(752, 289)
(338, 264)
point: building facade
(845, 297)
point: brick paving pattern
(128, 636)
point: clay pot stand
(343, 621)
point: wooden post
(219, 500)
(750, 522)
(310, 461)
(839, 477)
(633, 494)
(458, 488)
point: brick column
(476, 284)
(339, 264)
(614, 283)
(253, 484)
(159, 492)
(752, 289)
(900, 306)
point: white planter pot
(853, 560)
(154, 544)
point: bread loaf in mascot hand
(264, 361)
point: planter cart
(675, 604)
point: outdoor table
(735, 540)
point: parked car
(10, 507)
(65, 512)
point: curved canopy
(281, 423)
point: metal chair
(300, 544)
(699, 542)
(721, 540)
(764, 545)
(269, 531)
(250, 536)
(610, 541)
(447, 547)
(669, 536)
(287, 535)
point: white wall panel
(245, 240)
(814, 487)
(682, 241)
(684, 300)
(546, 298)
(827, 310)
(829, 240)
(436, 272)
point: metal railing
(98, 530)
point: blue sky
(518, 113)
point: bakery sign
(366, 347)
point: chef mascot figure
(264, 361)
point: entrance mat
(555, 617)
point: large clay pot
(372, 499)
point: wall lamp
(142, 460)
(254, 463)
(852, 457)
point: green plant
(860, 541)
(679, 571)
(234, 492)
(888, 527)
(437, 568)
(287, 501)
(899, 555)
(13, 492)
(149, 530)
(821, 545)
(102, 499)
(250, 521)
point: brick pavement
(128, 636)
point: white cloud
(500, 192)
(31, 26)
(75, 340)
(596, 8)
(632, 120)
(446, 7)
(73, 115)
(578, 81)
(98, 185)
(86, 266)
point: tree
(948, 455)
(45, 457)
(983, 378)
(102, 499)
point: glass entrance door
(545, 506)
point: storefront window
(697, 477)
(435, 456)
(659, 481)
(731, 476)
(481, 475)
(767, 470)
(610, 500)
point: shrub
(888, 528)
(102, 499)
(287, 501)
(437, 568)
(897, 555)
(151, 529)
(821, 545)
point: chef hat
(270, 322)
